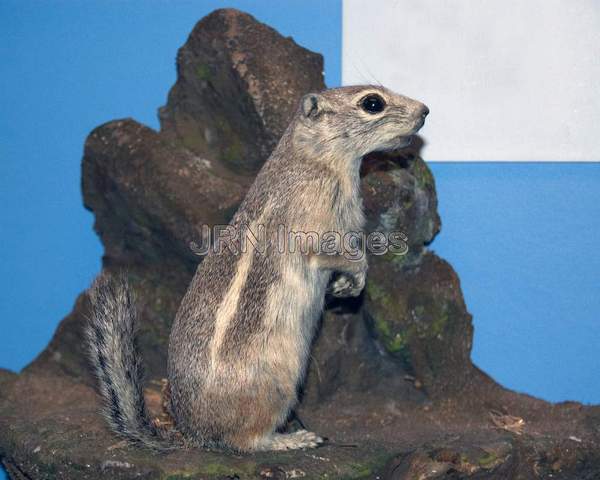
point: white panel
(505, 80)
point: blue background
(523, 237)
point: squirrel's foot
(290, 441)
(346, 285)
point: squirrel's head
(358, 120)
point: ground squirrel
(240, 342)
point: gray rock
(238, 84)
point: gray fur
(113, 353)
(239, 346)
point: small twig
(327, 442)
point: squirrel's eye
(373, 104)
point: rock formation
(391, 383)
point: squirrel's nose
(424, 111)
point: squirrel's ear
(312, 105)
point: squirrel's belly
(294, 307)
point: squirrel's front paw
(347, 285)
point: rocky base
(51, 429)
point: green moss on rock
(488, 461)
(203, 72)
(422, 174)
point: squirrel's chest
(347, 212)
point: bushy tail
(114, 356)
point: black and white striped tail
(113, 352)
